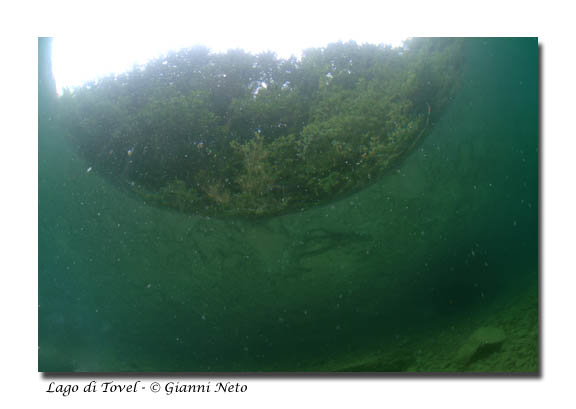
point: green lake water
(396, 277)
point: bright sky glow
(76, 60)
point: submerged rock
(482, 343)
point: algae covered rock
(482, 343)
(242, 135)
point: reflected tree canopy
(245, 135)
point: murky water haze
(450, 236)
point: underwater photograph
(357, 208)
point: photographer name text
(167, 388)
